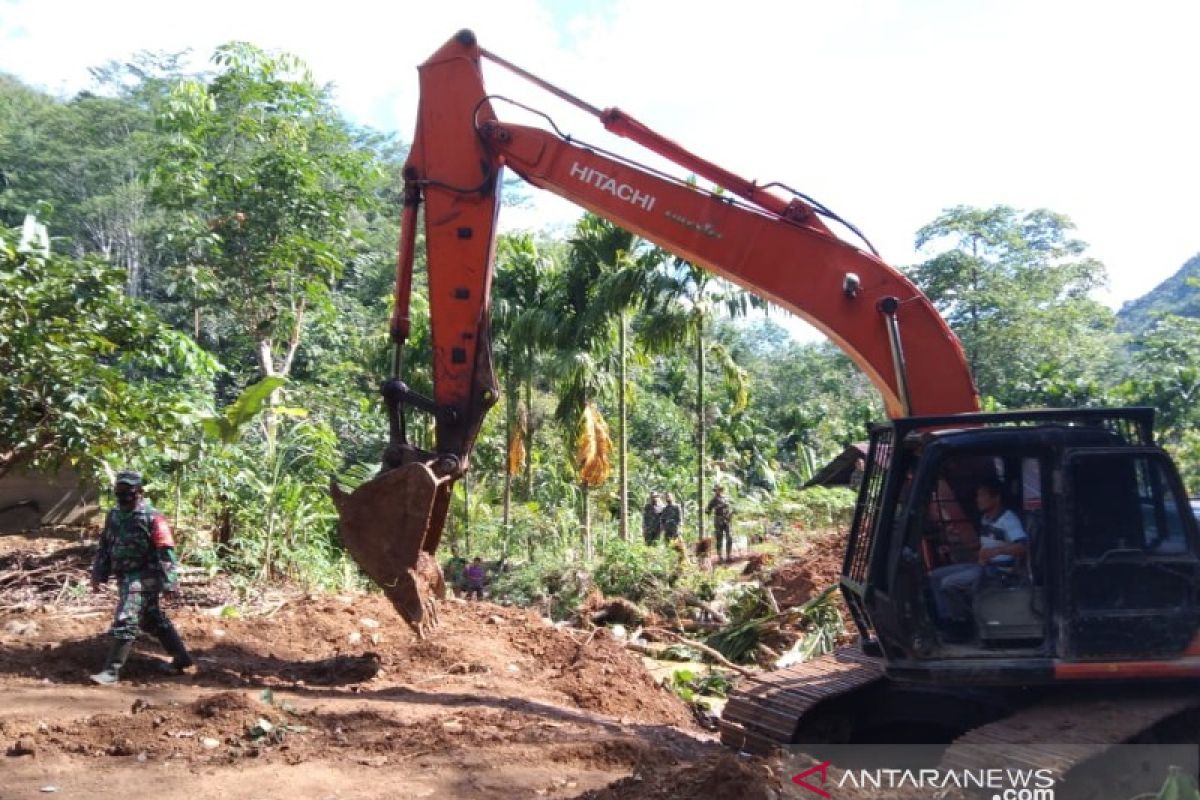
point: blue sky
(886, 111)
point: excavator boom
(777, 247)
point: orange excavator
(997, 562)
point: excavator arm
(777, 247)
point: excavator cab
(1085, 561)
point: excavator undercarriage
(845, 698)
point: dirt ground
(809, 570)
(318, 696)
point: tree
(86, 374)
(267, 186)
(1165, 374)
(523, 322)
(626, 275)
(1015, 287)
(82, 165)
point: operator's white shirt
(1004, 529)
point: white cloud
(886, 111)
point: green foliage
(815, 508)
(689, 686)
(81, 164)
(634, 571)
(748, 610)
(751, 618)
(1016, 289)
(681, 685)
(823, 626)
(555, 582)
(679, 652)
(1164, 373)
(86, 374)
(1179, 785)
(266, 185)
(714, 683)
(821, 507)
(226, 427)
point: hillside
(1173, 296)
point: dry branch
(703, 648)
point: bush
(634, 571)
(815, 507)
(553, 581)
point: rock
(48, 789)
(467, 668)
(355, 637)
(495, 620)
(367, 622)
(453, 726)
(24, 746)
(121, 746)
(209, 743)
(18, 627)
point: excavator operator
(1002, 547)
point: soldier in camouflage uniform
(137, 548)
(722, 511)
(672, 519)
(651, 522)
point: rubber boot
(118, 651)
(181, 659)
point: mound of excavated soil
(723, 775)
(338, 690)
(357, 641)
(815, 568)
(221, 705)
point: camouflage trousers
(724, 536)
(137, 607)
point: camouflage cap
(129, 478)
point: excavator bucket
(384, 523)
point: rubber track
(1066, 729)
(762, 713)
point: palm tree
(626, 275)
(523, 323)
